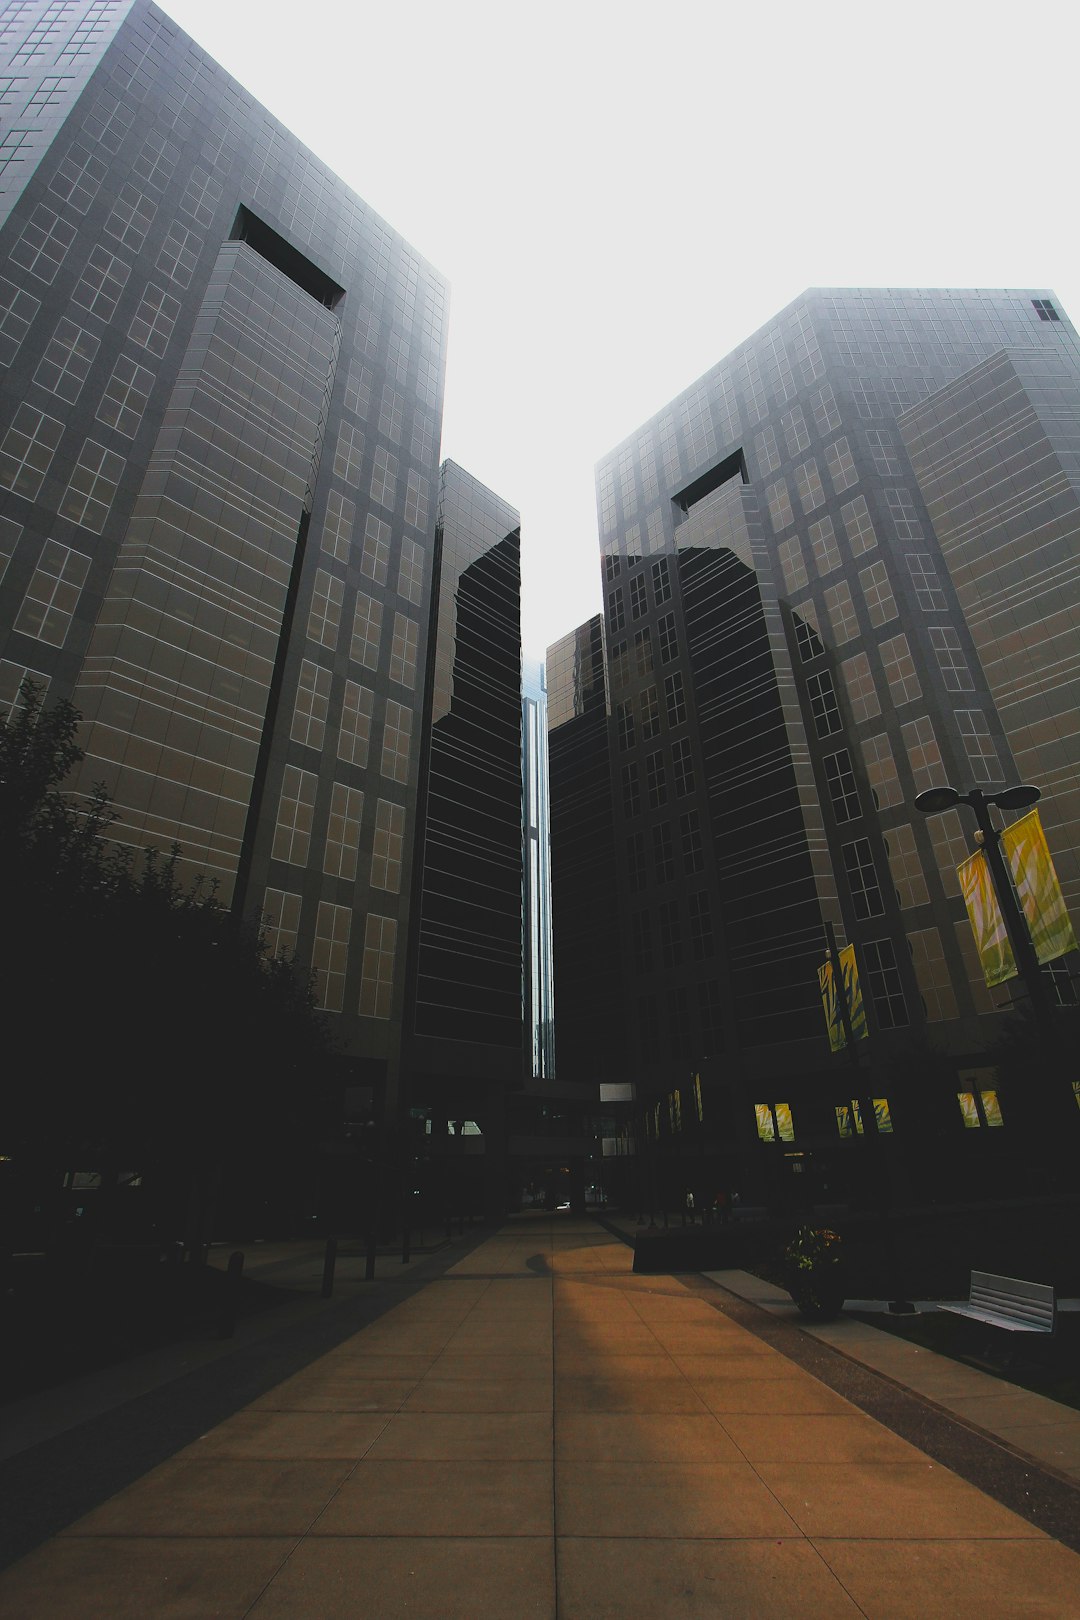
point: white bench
(1022, 1307)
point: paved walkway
(538, 1432)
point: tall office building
(219, 436)
(465, 1037)
(840, 568)
(539, 988)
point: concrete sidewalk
(537, 1428)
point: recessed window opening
(292, 263)
(1045, 309)
(729, 471)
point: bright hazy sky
(619, 193)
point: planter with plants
(814, 1272)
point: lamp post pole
(934, 800)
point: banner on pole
(1032, 867)
(831, 1001)
(987, 923)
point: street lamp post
(932, 802)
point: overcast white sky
(621, 193)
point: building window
(883, 453)
(979, 747)
(841, 611)
(338, 526)
(126, 396)
(17, 310)
(692, 849)
(792, 565)
(397, 738)
(330, 954)
(53, 594)
(354, 733)
(43, 245)
(899, 667)
(826, 415)
(862, 879)
(670, 930)
(375, 556)
(101, 284)
(616, 611)
(843, 789)
(637, 874)
(416, 500)
(131, 218)
(612, 564)
(823, 545)
(806, 637)
(682, 767)
(823, 704)
(1045, 309)
(650, 713)
(639, 604)
(808, 485)
(663, 854)
(201, 197)
(861, 691)
(669, 640)
(701, 928)
(661, 581)
(906, 867)
(78, 178)
(68, 357)
(768, 456)
(403, 650)
(296, 807)
(858, 525)
(153, 322)
(710, 1017)
(27, 451)
(926, 582)
(366, 631)
(880, 601)
(631, 789)
(377, 975)
(905, 519)
(384, 477)
(641, 936)
(923, 752)
(343, 831)
(951, 661)
(324, 620)
(881, 770)
(179, 254)
(388, 845)
(656, 780)
(779, 504)
(280, 922)
(643, 653)
(312, 705)
(886, 987)
(620, 666)
(794, 425)
(675, 698)
(841, 465)
(411, 572)
(624, 723)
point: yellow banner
(1032, 866)
(987, 923)
(766, 1127)
(831, 1001)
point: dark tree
(146, 1025)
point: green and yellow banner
(987, 923)
(1032, 867)
(831, 1001)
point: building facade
(839, 569)
(219, 439)
(539, 987)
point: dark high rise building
(839, 569)
(219, 434)
(539, 988)
(466, 1019)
